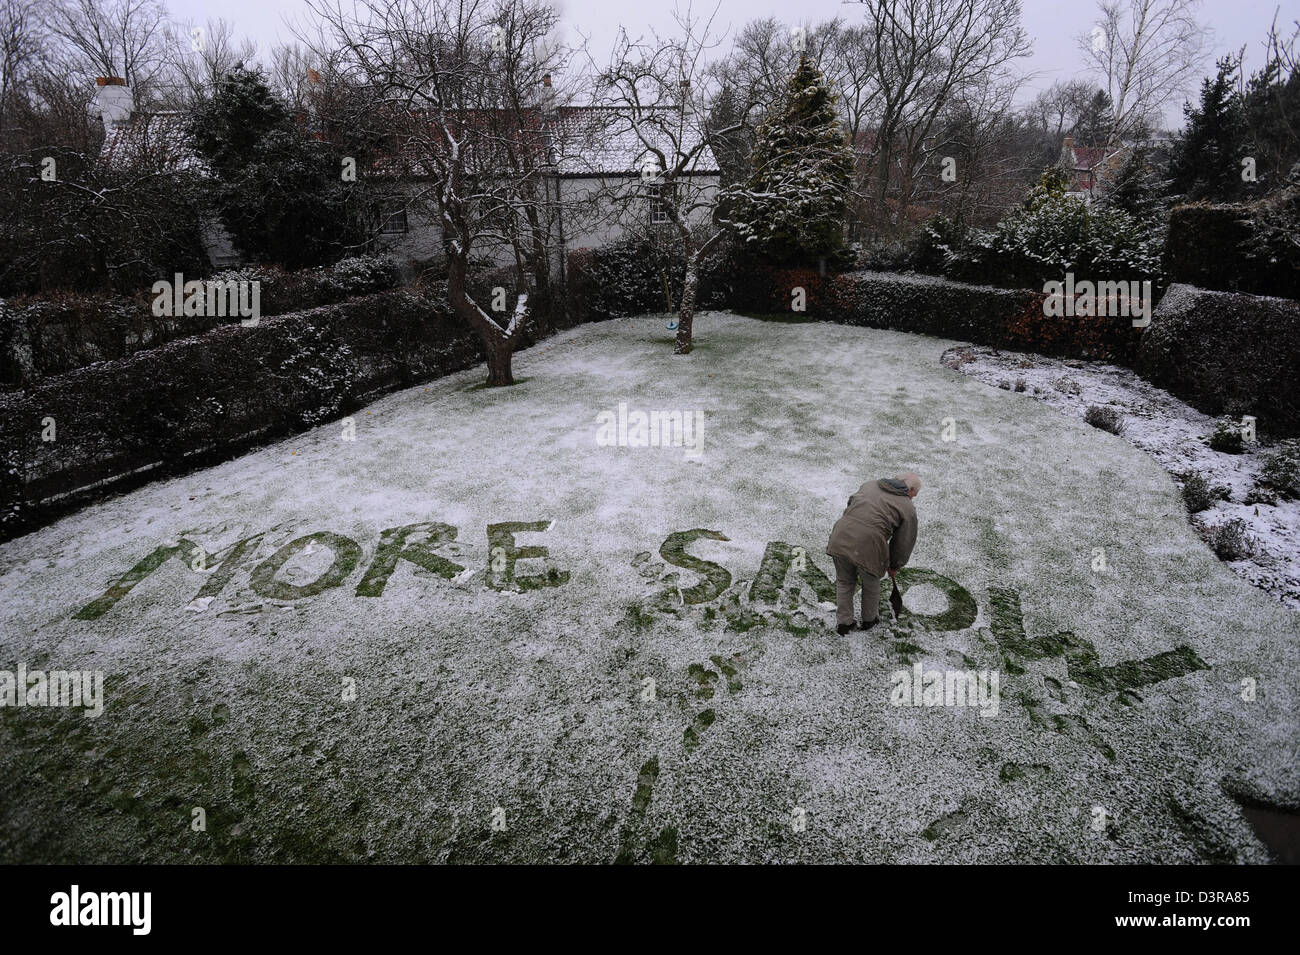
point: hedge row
(643, 274)
(1227, 353)
(50, 335)
(1003, 318)
(209, 396)
(1243, 247)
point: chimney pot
(546, 79)
(110, 81)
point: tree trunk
(686, 316)
(498, 348)
(499, 356)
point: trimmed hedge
(1241, 247)
(627, 278)
(207, 397)
(50, 335)
(1227, 353)
(1003, 318)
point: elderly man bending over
(875, 534)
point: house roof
(579, 140)
(601, 140)
(1089, 165)
(153, 140)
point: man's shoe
(868, 626)
(843, 629)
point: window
(659, 196)
(392, 216)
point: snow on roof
(155, 140)
(600, 140)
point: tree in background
(1137, 189)
(657, 92)
(453, 89)
(1271, 111)
(1095, 124)
(792, 208)
(924, 53)
(1146, 53)
(279, 191)
(1206, 163)
(93, 228)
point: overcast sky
(1051, 24)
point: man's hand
(892, 573)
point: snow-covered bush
(359, 275)
(1105, 418)
(1198, 495)
(1054, 235)
(282, 292)
(55, 333)
(641, 273)
(1230, 540)
(1281, 471)
(255, 382)
(1247, 247)
(1226, 436)
(1227, 353)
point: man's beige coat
(878, 529)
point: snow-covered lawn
(1176, 435)
(427, 708)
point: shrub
(1067, 386)
(1229, 540)
(1226, 437)
(1197, 493)
(254, 382)
(912, 303)
(1105, 418)
(1281, 471)
(1247, 247)
(1054, 235)
(284, 292)
(1227, 353)
(642, 273)
(55, 333)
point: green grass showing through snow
(595, 713)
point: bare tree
(452, 88)
(658, 92)
(293, 71)
(198, 56)
(1057, 109)
(112, 38)
(22, 38)
(1146, 53)
(993, 149)
(925, 53)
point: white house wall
(596, 212)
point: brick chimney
(547, 100)
(113, 101)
